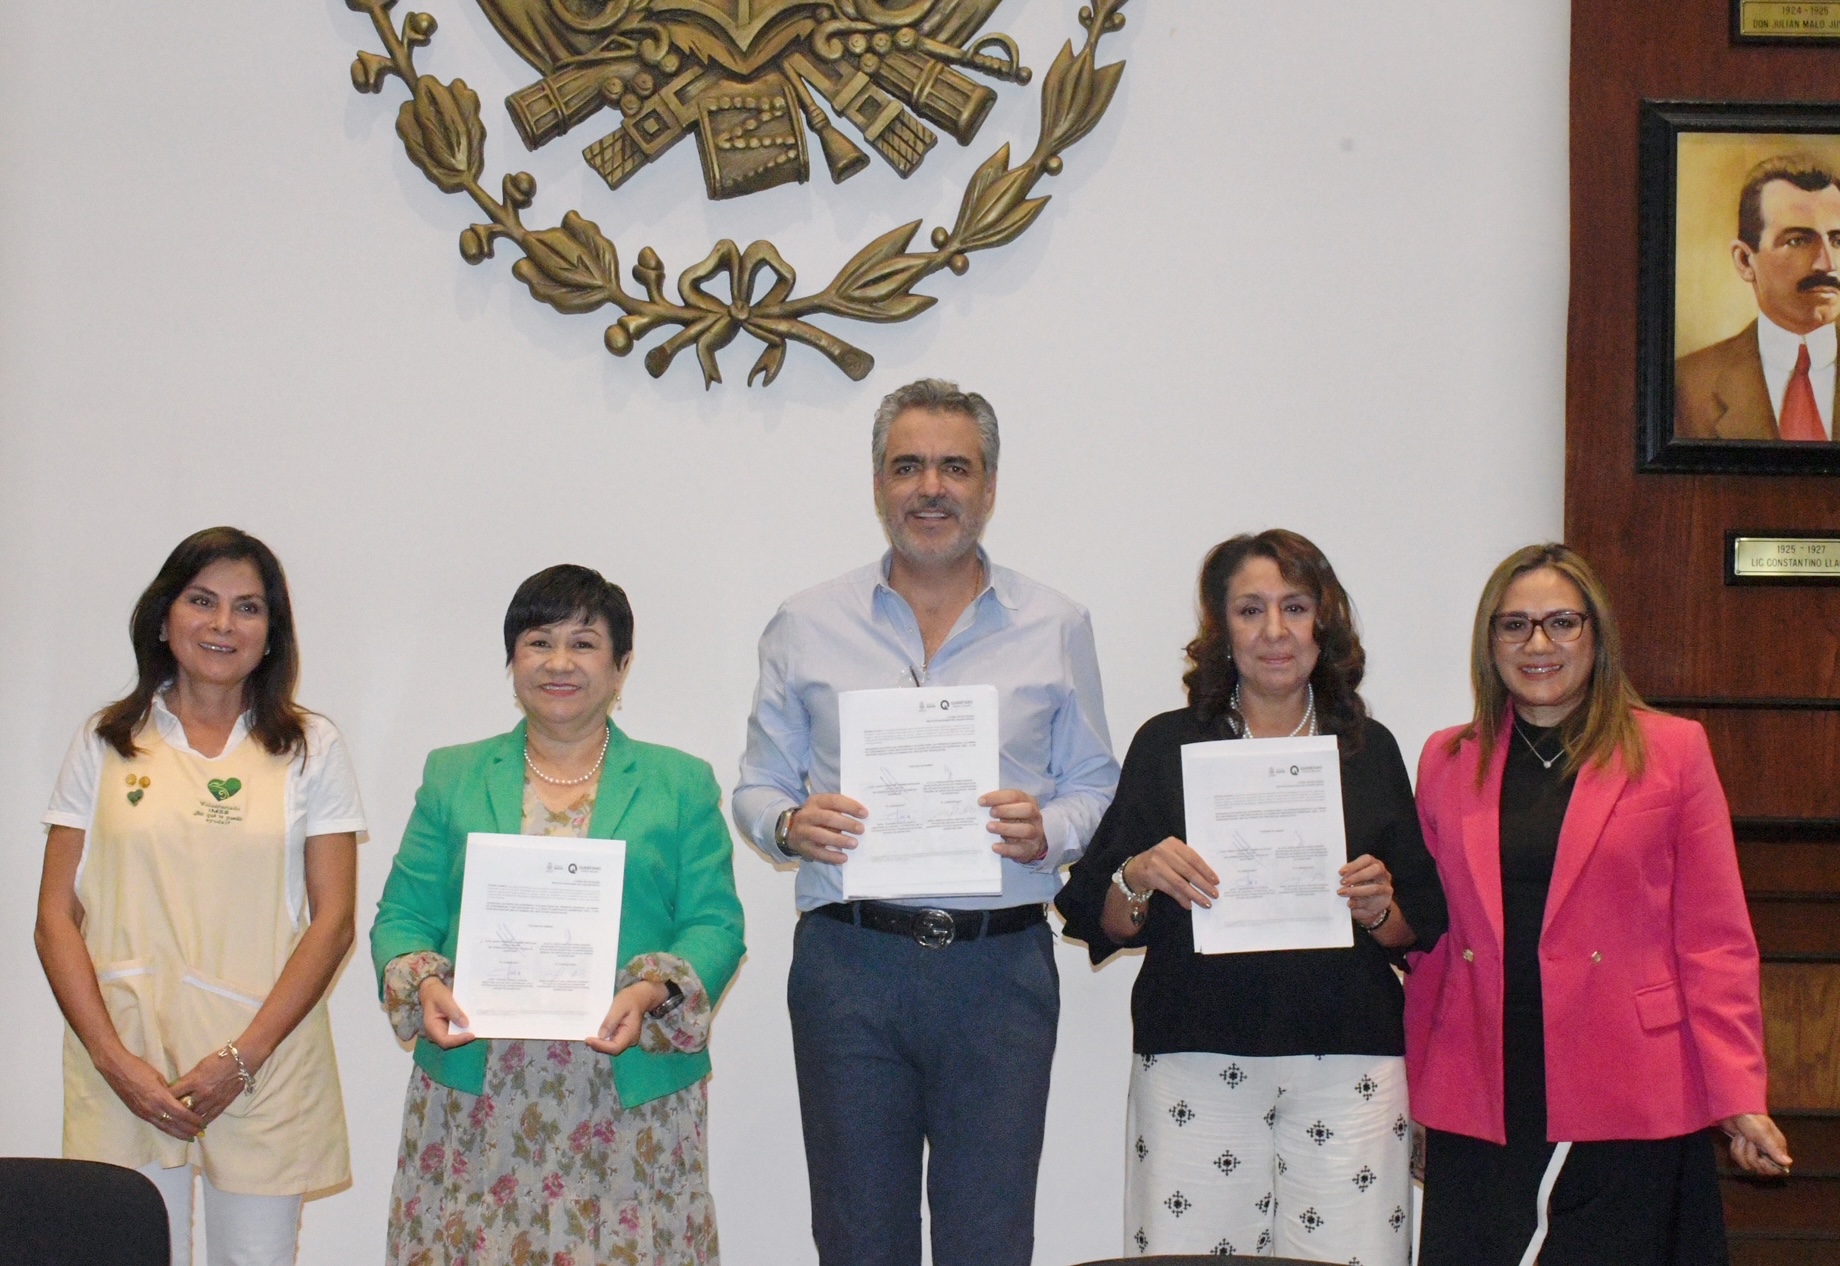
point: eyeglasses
(1560, 626)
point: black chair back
(79, 1213)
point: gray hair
(936, 395)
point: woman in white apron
(198, 894)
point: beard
(934, 550)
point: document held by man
(918, 760)
(539, 946)
(1266, 814)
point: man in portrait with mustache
(1774, 379)
(923, 1029)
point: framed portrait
(1738, 288)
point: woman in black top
(1267, 1107)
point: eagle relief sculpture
(760, 84)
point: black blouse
(1286, 1002)
(1534, 798)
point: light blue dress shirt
(856, 633)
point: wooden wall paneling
(1801, 1021)
(1795, 1206)
(1658, 542)
(1775, 763)
(1787, 866)
(1781, 1252)
(1799, 927)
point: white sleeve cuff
(1063, 841)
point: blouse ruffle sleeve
(402, 985)
(1139, 819)
(1401, 845)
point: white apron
(186, 917)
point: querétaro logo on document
(946, 705)
(573, 868)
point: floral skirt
(545, 1168)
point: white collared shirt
(322, 787)
(1778, 349)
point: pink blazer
(1648, 965)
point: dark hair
(1605, 725)
(1804, 171)
(568, 591)
(1340, 661)
(276, 721)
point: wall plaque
(1785, 22)
(1782, 558)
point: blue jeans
(897, 1047)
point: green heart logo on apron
(134, 797)
(224, 788)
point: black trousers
(1635, 1202)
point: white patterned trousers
(1281, 1156)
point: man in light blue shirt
(927, 1023)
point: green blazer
(680, 883)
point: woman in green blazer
(592, 1151)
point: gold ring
(165, 1116)
(186, 1100)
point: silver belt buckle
(934, 929)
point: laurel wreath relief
(574, 268)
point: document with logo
(539, 945)
(1266, 814)
(918, 760)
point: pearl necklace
(1305, 726)
(1544, 763)
(568, 782)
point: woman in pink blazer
(1593, 1008)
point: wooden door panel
(1801, 1024)
(1775, 762)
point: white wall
(1309, 272)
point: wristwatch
(673, 999)
(782, 830)
(1140, 901)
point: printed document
(539, 945)
(918, 760)
(1266, 814)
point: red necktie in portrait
(1801, 417)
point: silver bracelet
(242, 1070)
(1377, 924)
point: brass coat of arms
(758, 84)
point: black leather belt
(934, 929)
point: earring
(617, 705)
